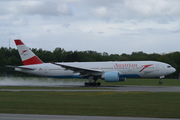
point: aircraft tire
(86, 84)
(160, 82)
(98, 83)
(92, 84)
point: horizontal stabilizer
(21, 67)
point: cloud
(100, 32)
(105, 3)
(113, 26)
(66, 25)
(161, 11)
(176, 31)
(102, 12)
(35, 7)
(20, 22)
(150, 9)
(12, 20)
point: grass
(132, 104)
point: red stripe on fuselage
(19, 42)
(145, 66)
(32, 61)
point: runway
(108, 88)
(145, 88)
(70, 117)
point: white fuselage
(127, 69)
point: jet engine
(112, 76)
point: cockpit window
(168, 66)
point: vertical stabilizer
(27, 56)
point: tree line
(10, 56)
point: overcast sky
(112, 26)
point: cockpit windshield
(168, 66)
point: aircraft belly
(62, 74)
(130, 75)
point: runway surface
(109, 88)
(70, 117)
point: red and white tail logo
(27, 56)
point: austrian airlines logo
(24, 51)
(145, 66)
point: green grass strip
(132, 104)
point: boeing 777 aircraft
(108, 71)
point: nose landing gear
(160, 82)
(160, 78)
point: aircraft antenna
(9, 43)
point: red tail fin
(27, 56)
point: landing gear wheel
(98, 83)
(160, 82)
(160, 78)
(86, 84)
(92, 84)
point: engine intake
(112, 76)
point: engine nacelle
(112, 76)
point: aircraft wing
(83, 71)
(21, 67)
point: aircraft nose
(173, 70)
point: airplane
(116, 71)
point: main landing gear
(92, 81)
(160, 78)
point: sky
(112, 26)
